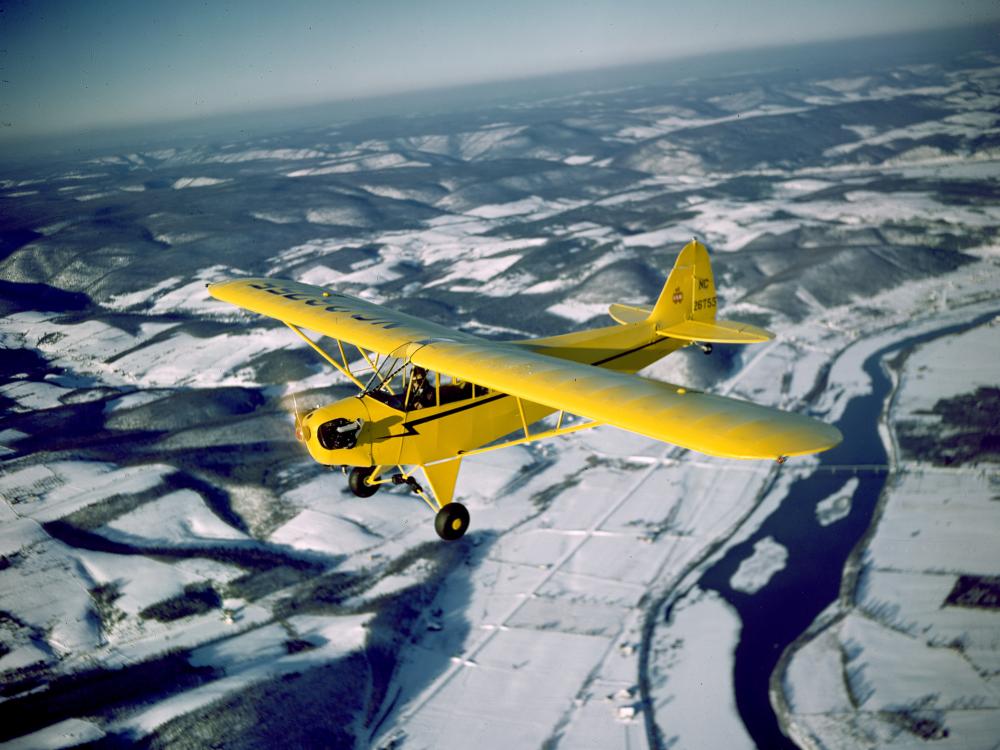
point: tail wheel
(452, 521)
(356, 481)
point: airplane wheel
(356, 481)
(451, 521)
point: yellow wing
(703, 422)
(715, 425)
(333, 314)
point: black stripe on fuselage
(408, 427)
(625, 353)
(456, 410)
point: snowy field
(174, 570)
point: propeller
(300, 428)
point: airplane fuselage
(392, 434)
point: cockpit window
(407, 387)
(389, 369)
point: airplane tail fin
(689, 293)
(686, 307)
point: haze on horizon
(69, 67)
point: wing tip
(824, 437)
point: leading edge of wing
(707, 423)
(333, 314)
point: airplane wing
(703, 422)
(333, 314)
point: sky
(75, 66)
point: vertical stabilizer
(689, 293)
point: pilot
(421, 392)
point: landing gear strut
(408, 481)
(705, 348)
(451, 521)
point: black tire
(451, 522)
(356, 481)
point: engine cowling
(340, 433)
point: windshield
(389, 370)
(399, 383)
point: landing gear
(356, 481)
(705, 348)
(451, 521)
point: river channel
(782, 610)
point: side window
(453, 392)
(427, 389)
(408, 388)
(461, 390)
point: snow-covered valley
(176, 572)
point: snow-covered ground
(577, 572)
(768, 558)
(694, 660)
(154, 507)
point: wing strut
(373, 365)
(344, 369)
(537, 436)
(524, 422)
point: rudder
(689, 292)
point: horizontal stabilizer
(626, 314)
(716, 332)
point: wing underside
(703, 422)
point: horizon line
(103, 130)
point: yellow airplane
(433, 395)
